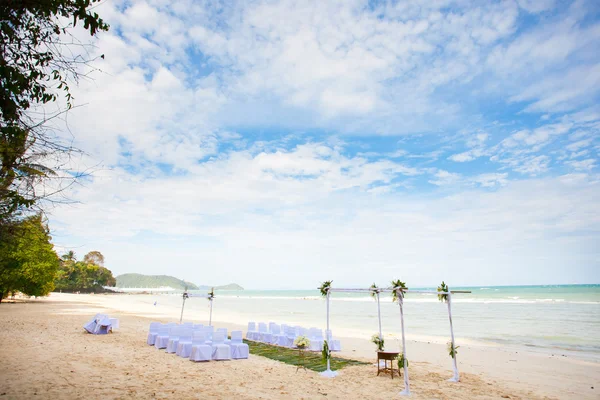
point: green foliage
(452, 350)
(28, 262)
(83, 276)
(31, 65)
(374, 290)
(378, 341)
(153, 281)
(312, 361)
(36, 64)
(325, 352)
(397, 284)
(211, 294)
(400, 359)
(443, 288)
(324, 288)
(94, 257)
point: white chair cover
(275, 331)
(250, 333)
(334, 345)
(200, 351)
(185, 341)
(153, 332)
(99, 325)
(220, 351)
(316, 339)
(174, 338)
(162, 338)
(239, 349)
(262, 330)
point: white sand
(46, 353)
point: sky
(278, 144)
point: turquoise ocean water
(553, 318)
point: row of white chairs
(197, 342)
(284, 335)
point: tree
(69, 256)
(37, 62)
(94, 257)
(28, 262)
(83, 276)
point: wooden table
(386, 356)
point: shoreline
(494, 360)
(485, 372)
(225, 316)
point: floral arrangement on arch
(324, 288)
(443, 288)
(401, 359)
(211, 294)
(302, 342)
(452, 349)
(378, 341)
(374, 290)
(397, 284)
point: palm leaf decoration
(443, 288)
(211, 294)
(452, 350)
(325, 353)
(324, 288)
(400, 359)
(397, 284)
(374, 290)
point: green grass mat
(312, 360)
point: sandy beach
(47, 353)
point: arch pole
(328, 372)
(456, 377)
(406, 391)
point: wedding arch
(398, 289)
(210, 296)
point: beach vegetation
(395, 285)
(324, 288)
(83, 276)
(39, 58)
(28, 262)
(311, 360)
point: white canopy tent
(210, 296)
(400, 294)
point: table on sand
(386, 356)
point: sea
(549, 318)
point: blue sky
(281, 143)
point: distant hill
(156, 281)
(152, 281)
(231, 286)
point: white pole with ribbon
(185, 296)
(406, 391)
(328, 372)
(456, 377)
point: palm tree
(70, 256)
